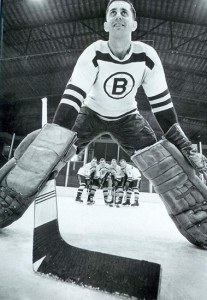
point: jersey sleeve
(154, 83)
(156, 89)
(80, 171)
(129, 172)
(80, 83)
(136, 173)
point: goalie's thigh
(136, 133)
(87, 128)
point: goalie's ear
(106, 28)
(134, 26)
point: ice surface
(144, 232)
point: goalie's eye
(124, 13)
(112, 12)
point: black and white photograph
(103, 149)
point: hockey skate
(118, 202)
(106, 201)
(78, 199)
(136, 203)
(110, 202)
(126, 203)
(90, 200)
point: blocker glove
(177, 137)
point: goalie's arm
(173, 132)
(156, 89)
(80, 83)
(159, 97)
(44, 153)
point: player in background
(114, 169)
(135, 185)
(121, 179)
(103, 169)
(88, 177)
(132, 182)
(114, 179)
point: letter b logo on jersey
(118, 85)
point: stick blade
(106, 272)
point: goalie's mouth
(118, 25)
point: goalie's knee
(162, 163)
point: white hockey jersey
(108, 85)
(87, 170)
(102, 169)
(131, 172)
(115, 171)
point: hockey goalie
(100, 98)
(45, 152)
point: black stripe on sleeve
(65, 115)
(76, 89)
(72, 98)
(160, 104)
(159, 95)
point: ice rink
(145, 233)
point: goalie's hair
(127, 1)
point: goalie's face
(120, 19)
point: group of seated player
(117, 181)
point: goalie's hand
(197, 160)
(176, 136)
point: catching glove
(177, 137)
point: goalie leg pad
(47, 154)
(25, 143)
(6, 168)
(183, 193)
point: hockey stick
(110, 273)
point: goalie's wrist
(177, 137)
(65, 127)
